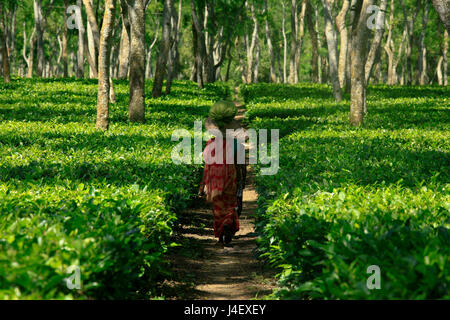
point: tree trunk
(256, 64)
(124, 55)
(104, 65)
(161, 62)
(343, 31)
(294, 31)
(241, 60)
(444, 55)
(390, 49)
(360, 36)
(283, 30)
(91, 50)
(230, 59)
(439, 71)
(177, 39)
(148, 68)
(4, 44)
(81, 45)
(173, 55)
(319, 44)
(349, 47)
(410, 21)
(331, 38)
(376, 40)
(208, 62)
(252, 62)
(273, 77)
(11, 36)
(30, 60)
(442, 7)
(423, 78)
(137, 61)
(39, 37)
(200, 45)
(301, 33)
(64, 42)
(72, 64)
(314, 43)
(92, 20)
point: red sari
(220, 188)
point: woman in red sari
(220, 177)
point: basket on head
(221, 117)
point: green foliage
(74, 196)
(347, 198)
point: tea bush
(74, 196)
(347, 198)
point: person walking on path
(223, 176)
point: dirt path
(204, 271)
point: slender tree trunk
(31, 55)
(343, 31)
(104, 65)
(161, 62)
(410, 19)
(4, 44)
(39, 37)
(92, 20)
(390, 49)
(177, 39)
(252, 47)
(294, 32)
(348, 76)
(439, 71)
(273, 77)
(124, 55)
(173, 49)
(301, 33)
(444, 56)
(208, 62)
(195, 54)
(284, 43)
(423, 78)
(256, 64)
(148, 68)
(91, 50)
(360, 36)
(200, 57)
(64, 42)
(137, 61)
(314, 44)
(24, 50)
(80, 53)
(112, 93)
(378, 74)
(56, 67)
(72, 64)
(376, 40)
(11, 36)
(331, 37)
(241, 60)
(319, 44)
(230, 59)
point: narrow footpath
(201, 270)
